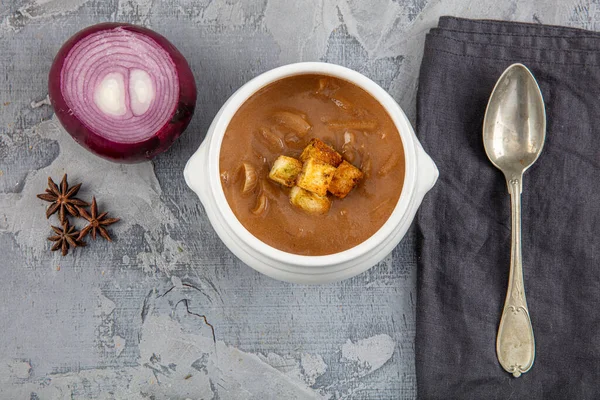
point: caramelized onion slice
(349, 138)
(270, 139)
(262, 203)
(348, 149)
(348, 153)
(389, 164)
(342, 103)
(326, 87)
(293, 140)
(250, 177)
(366, 165)
(269, 188)
(379, 208)
(323, 82)
(364, 125)
(292, 120)
(225, 178)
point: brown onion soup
(281, 119)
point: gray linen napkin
(464, 222)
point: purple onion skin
(125, 152)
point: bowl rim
(397, 115)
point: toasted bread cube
(285, 170)
(310, 202)
(344, 179)
(318, 150)
(315, 176)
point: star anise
(62, 199)
(96, 222)
(65, 238)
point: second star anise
(65, 238)
(97, 223)
(63, 199)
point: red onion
(122, 91)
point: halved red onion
(122, 91)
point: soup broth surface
(342, 115)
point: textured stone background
(123, 321)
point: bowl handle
(427, 172)
(196, 172)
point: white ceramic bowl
(202, 176)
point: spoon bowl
(514, 131)
(514, 128)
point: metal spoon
(514, 131)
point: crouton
(344, 179)
(285, 170)
(315, 176)
(318, 150)
(309, 202)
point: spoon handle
(515, 345)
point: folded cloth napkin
(464, 223)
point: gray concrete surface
(123, 320)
